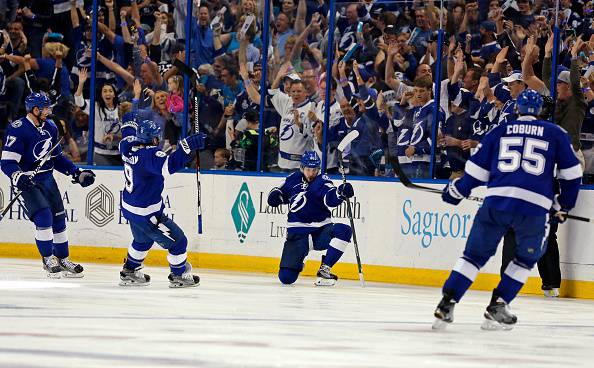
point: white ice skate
(551, 293)
(186, 279)
(70, 269)
(51, 266)
(325, 277)
(134, 277)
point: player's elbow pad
(177, 160)
(569, 192)
(331, 199)
(9, 167)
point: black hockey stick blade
(409, 184)
(185, 69)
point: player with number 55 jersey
(145, 169)
(517, 162)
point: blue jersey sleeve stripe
(8, 155)
(476, 171)
(521, 194)
(571, 173)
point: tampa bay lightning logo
(41, 149)
(347, 40)
(83, 56)
(298, 202)
(287, 132)
(417, 134)
(403, 137)
(113, 127)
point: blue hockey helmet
(311, 159)
(37, 99)
(147, 130)
(529, 102)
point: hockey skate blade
(180, 285)
(70, 275)
(490, 325)
(55, 275)
(133, 284)
(440, 324)
(324, 282)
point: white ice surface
(249, 320)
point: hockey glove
(83, 177)
(193, 143)
(345, 191)
(451, 194)
(275, 197)
(22, 181)
(558, 217)
(558, 213)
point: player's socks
(133, 277)
(498, 315)
(444, 313)
(137, 252)
(51, 266)
(44, 238)
(460, 279)
(512, 280)
(177, 263)
(186, 279)
(332, 255)
(70, 269)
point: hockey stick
(184, 69)
(341, 146)
(407, 183)
(35, 172)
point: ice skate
(186, 279)
(551, 293)
(444, 313)
(70, 269)
(325, 277)
(133, 277)
(498, 315)
(51, 266)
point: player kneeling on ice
(30, 155)
(145, 169)
(309, 196)
(516, 161)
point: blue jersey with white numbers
(145, 169)
(309, 203)
(517, 162)
(25, 145)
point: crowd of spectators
(383, 77)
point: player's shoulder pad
(17, 124)
(51, 124)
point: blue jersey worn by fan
(310, 196)
(145, 170)
(29, 161)
(517, 162)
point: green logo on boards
(243, 212)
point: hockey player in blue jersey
(145, 169)
(310, 197)
(516, 161)
(28, 141)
